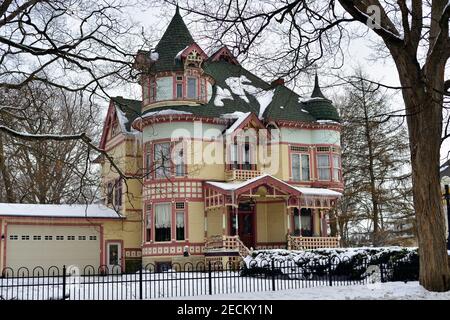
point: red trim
(192, 47)
(224, 51)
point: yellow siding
(214, 222)
(276, 219)
(196, 222)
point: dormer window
(194, 59)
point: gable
(224, 54)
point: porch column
(237, 220)
(224, 221)
(288, 216)
(205, 221)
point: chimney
(277, 82)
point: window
(302, 222)
(163, 221)
(148, 161)
(192, 88)
(148, 224)
(179, 160)
(179, 87)
(48, 238)
(246, 156)
(203, 89)
(323, 166)
(25, 237)
(161, 160)
(234, 156)
(59, 237)
(70, 237)
(336, 168)
(180, 225)
(109, 193)
(81, 237)
(241, 156)
(36, 238)
(152, 90)
(118, 193)
(92, 237)
(300, 167)
(14, 237)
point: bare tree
(48, 171)
(415, 34)
(77, 45)
(375, 159)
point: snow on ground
(384, 291)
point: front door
(246, 225)
(114, 257)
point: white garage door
(36, 245)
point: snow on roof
(231, 186)
(58, 210)
(123, 120)
(327, 121)
(178, 56)
(222, 94)
(443, 168)
(165, 113)
(238, 87)
(318, 192)
(240, 116)
(154, 56)
(303, 99)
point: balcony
(240, 174)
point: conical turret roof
(175, 38)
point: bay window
(148, 222)
(336, 167)
(192, 88)
(300, 167)
(323, 166)
(179, 87)
(163, 222)
(161, 160)
(180, 225)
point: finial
(317, 93)
(177, 10)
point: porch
(265, 213)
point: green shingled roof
(131, 109)
(176, 38)
(285, 103)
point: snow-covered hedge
(396, 263)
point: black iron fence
(149, 282)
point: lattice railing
(226, 243)
(301, 243)
(238, 174)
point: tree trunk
(10, 197)
(425, 128)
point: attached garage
(50, 245)
(35, 235)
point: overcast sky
(358, 53)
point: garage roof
(58, 210)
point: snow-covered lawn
(385, 291)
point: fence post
(209, 278)
(330, 276)
(273, 274)
(64, 283)
(381, 272)
(140, 283)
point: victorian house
(224, 161)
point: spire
(175, 38)
(316, 92)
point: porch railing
(238, 174)
(301, 243)
(226, 244)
